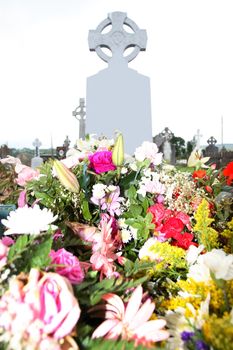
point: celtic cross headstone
(36, 161)
(118, 98)
(80, 114)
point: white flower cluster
(179, 189)
(150, 183)
(93, 144)
(127, 232)
(148, 150)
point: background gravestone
(80, 114)
(163, 141)
(36, 160)
(118, 98)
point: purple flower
(111, 202)
(200, 345)
(186, 336)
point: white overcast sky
(44, 62)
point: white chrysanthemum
(125, 235)
(99, 191)
(29, 220)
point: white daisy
(29, 220)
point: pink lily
(131, 321)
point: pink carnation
(69, 265)
(101, 162)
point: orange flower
(199, 174)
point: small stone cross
(36, 143)
(117, 40)
(80, 114)
(211, 141)
(198, 139)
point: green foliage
(142, 224)
(91, 291)
(100, 344)
(9, 190)
(30, 251)
(53, 195)
(179, 144)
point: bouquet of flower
(111, 251)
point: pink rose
(59, 309)
(38, 308)
(70, 265)
(101, 162)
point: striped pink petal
(143, 314)
(104, 328)
(116, 302)
(133, 304)
(152, 331)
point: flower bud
(66, 177)
(118, 151)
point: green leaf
(85, 210)
(40, 253)
(135, 210)
(132, 193)
(17, 249)
(103, 344)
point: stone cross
(198, 139)
(80, 114)
(36, 143)
(118, 98)
(36, 161)
(212, 141)
(117, 40)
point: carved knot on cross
(117, 40)
(211, 141)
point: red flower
(228, 172)
(159, 213)
(172, 228)
(101, 162)
(184, 240)
(209, 189)
(199, 174)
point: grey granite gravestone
(36, 160)
(118, 98)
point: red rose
(172, 228)
(185, 240)
(159, 213)
(101, 162)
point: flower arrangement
(106, 251)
